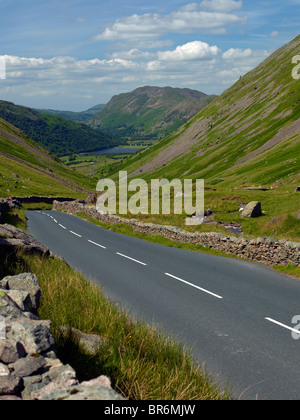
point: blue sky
(73, 54)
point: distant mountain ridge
(73, 116)
(149, 112)
(58, 135)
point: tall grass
(143, 363)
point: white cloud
(222, 5)
(239, 56)
(237, 53)
(61, 79)
(274, 34)
(196, 50)
(188, 19)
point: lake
(117, 151)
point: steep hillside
(149, 112)
(28, 169)
(247, 138)
(248, 135)
(56, 134)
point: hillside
(149, 112)
(250, 133)
(248, 137)
(56, 134)
(73, 116)
(27, 169)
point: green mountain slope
(56, 134)
(149, 112)
(247, 138)
(27, 169)
(250, 134)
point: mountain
(149, 112)
(28, 169)
(56, 134)
(73, 116)
(250, 135)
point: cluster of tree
(56, 134)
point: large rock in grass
(252, 209)
(28, 283)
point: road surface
(236, 315)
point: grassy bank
(143, 363)
(290, 270)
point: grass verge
(142, 362)
(123, 228)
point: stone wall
(29, 366)
(37, 199)
(4, 207)
(269, 251)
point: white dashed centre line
(62, 226)
(129, 258)
(95, 243)
(294, 330)
(193, 285)
(76, 234)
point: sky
(75, 54)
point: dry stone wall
(29, 366)
(269, 251)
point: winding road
(236, 315)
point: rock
(89, 342)
(10, 385)
(22, 299)
(8, 308)
(17, 238)
(252, 209)
(34, 335)
(10, 352)
(297, 189)
(56, 381)
(10, 398)
(91, 199)
(4, 371)
(28, 366)
(26, 282)
(96, 392)
(101, 380)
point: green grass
(27, 169)
(143, 362)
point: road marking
(129, 258)
(95, 243)
(193, 285)
(62, 226)
(76, 234)
(283, 325)
(55, 220)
